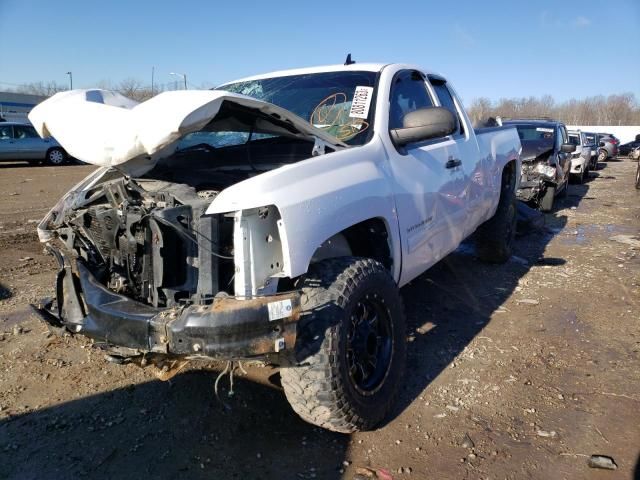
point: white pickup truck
(273, 218)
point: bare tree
(40, 88)
(134, 89)
(621, 109)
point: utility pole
(70, 80)
(152, 71)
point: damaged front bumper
(531, 190)
(534, 180)
(228, 328)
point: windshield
(535, 138)
(341, 103)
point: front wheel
(350, 346)
(546, 203)
(56, 156)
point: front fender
(317, 198)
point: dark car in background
(20, 141)
(607, 146)
(626, 148)
(546, 160)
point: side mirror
(567, 148)
(601, 144)
(424, 124)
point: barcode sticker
(280, 309)
(361, 102)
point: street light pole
(183, 75)
(70, 80)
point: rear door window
(24, 131)
(446, 100)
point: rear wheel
(56, 156)
(495, 237)
(352, 340)
(602, 156)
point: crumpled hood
(534, 152)
(107, 129)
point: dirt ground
(514, 371)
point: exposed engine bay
(536, 174)
(150, 239)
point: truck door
(428, 179)
(474, 189)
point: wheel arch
(510, 175)
(369, 239)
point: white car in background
(581, 161)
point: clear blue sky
(486, 48)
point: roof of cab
(354, 67)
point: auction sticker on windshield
(361, 102)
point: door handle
(453, 163)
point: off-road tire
(546, 202)
(495, 237)
(321, 390)
(638, 176)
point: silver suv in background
(20, 141)
(581, 157)
(607, 146)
